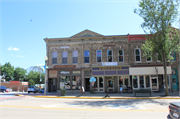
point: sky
(25, 23)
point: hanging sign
(64, 72)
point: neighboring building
(113, 60)
(16, 85)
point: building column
(58, 84)
(82, 77)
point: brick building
(113, 60)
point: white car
(32, 89)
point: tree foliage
(31, 82)
(7, 70)
(158, 15)
(19, 74)
(36, 74)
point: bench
(142, 91)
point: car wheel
(3, 91)
(28, 92)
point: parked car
(32, 89)
(42, 90)
(9, 89)
(174, 110)
(3, 89)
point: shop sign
(64, 66)
(52, 73)
(76, 72)
(64, 72)
(110, 68)
(109, 63)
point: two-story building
(113, 60)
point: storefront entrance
(110, 84)
(174, 79)
(154, 84)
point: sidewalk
(98, 95)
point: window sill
(137, 61)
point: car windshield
(31, 86)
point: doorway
(87, 84)
(110, 84)
(154, 84)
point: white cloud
(19, 56)
(31, 51)
(15, 49)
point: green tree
(7, 70)
(19, 74)
(34, 75)
(40, 71)
(158, 15)
(31, 82)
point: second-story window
(137, 55)
(121, 55)
(86, 56)
(98, 55)
(109, 56)
(173, 54)
(54, 57)
(149, 58)
(75, 56)
(64, 57)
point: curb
(101, 97)
(18, 95)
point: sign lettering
(109, 68)
(64, 66)
(76, 72)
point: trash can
(63, 92)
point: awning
(148, 70)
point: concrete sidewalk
(98, 95)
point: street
(27, 107)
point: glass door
(110, 85)
(154, 84)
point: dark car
(42, 90)
(3, 89)
(174, 110)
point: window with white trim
(75, 56)
(109, 56)
(121, 55)
(98, 55)
(149, 58)
(159, 57)
(54, 57)
(137, 53)
(64, 57)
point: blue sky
(25, 23)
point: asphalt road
(15, 107)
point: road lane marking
(78, 109)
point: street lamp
(46, 58)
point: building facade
(113, 60)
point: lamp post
(46, 58)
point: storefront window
(100, 82)
(76, 82)
(64, 82)
(126, 81)
(147, 82)
(95, 83)
(141, 81)
(135, 82)
(120, 81)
